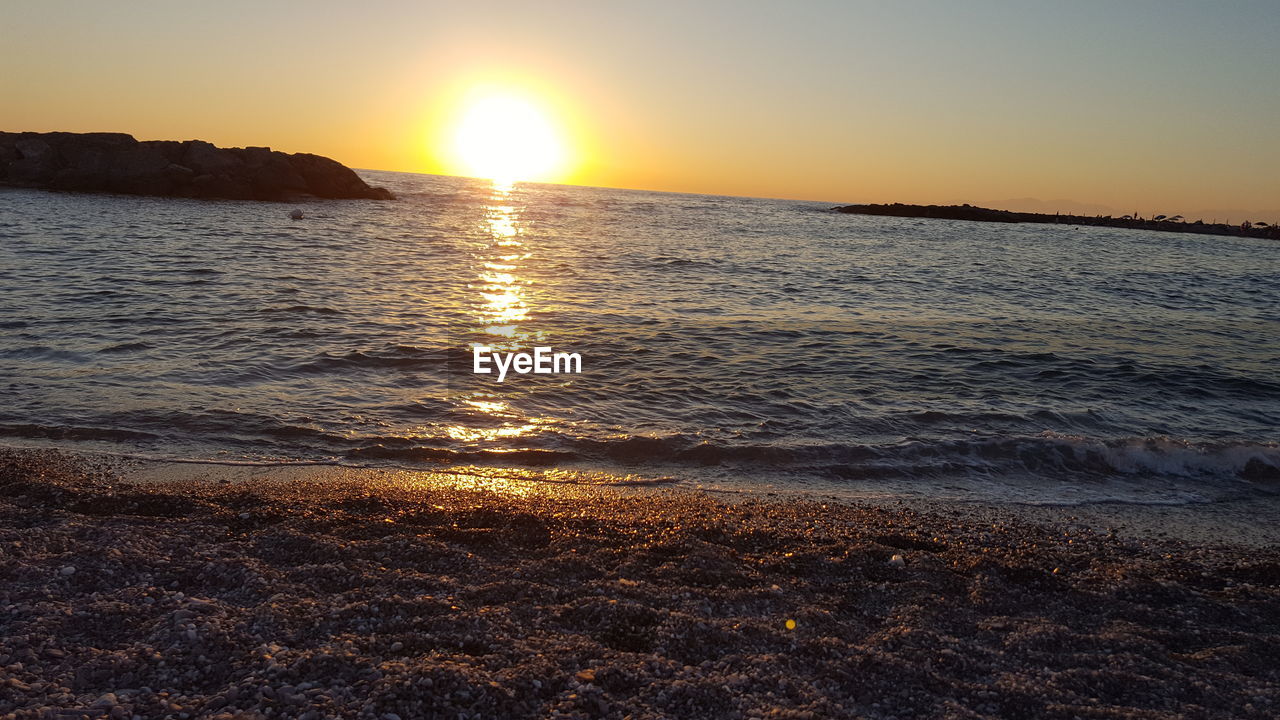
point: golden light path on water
(502, 308)
(501, 286)
(504, 303)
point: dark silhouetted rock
(206, 159)
(327, 178)
(981, 214)
(115, 162)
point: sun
(507, 137)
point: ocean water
(730, 344)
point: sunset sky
(1158, 107)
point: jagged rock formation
(117, 163)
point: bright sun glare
(507, 137)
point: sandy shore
(192, 593)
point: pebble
(68, 570)
(677, 638)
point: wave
(317, 310)
(394, 358)
(1192, 380)
(670, 261)
(525, 457)
(126, 347)
(554, 476)
(69, 432)
(1046, 456)
(368, 361)
(42, 352)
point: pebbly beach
(198, 591)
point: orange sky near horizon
(1087, 105)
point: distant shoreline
(981, 214)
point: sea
(727, 344)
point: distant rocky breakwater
(117, 163)
(981, 214)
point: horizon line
(1275, 213)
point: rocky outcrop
(981, 214)
(115, 162)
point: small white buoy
(897, 561)
(296, 214)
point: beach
(197, 591)
(505, 361)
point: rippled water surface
(726, 342)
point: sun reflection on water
(519, 482)
(488, 406)
(502, 311)
(474, 434)
(502, 289)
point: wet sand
(313, 593)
